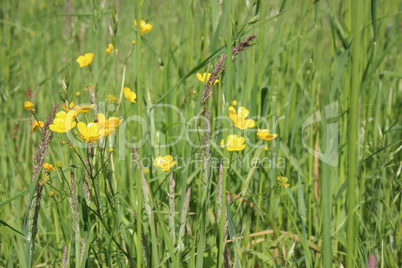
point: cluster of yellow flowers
(110, 49)
(236, 143)
(65, 121)
(90, 132)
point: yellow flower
(36, 125)
(204, 78)
(239, 118)
(63, 121)
(265, 135)
(144, 27)
(48, 166)
(44, 180)
(130, 95)
(234, 103)
(110, 49)
(77, 93)
(265, 148)
(80, 109)
(283, 181)
(234, 143)
(165, 163)
(28, 105)
(86, 59)
(134, 42)
(90, 132)
(69, 107)
(109, 125)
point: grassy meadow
(287, 155)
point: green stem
(326, 210)
(356, 53)
(139, 110)
(228, 83)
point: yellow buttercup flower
(108, 124)
(234, 143)
(77, 93)
(63, 121)
(28, 105)
(90, 132)
(239, 119)
(144, 27)
(80, 109)
(204, 78)
(36, 125)
(48, 166)
(69, 107)
(265, 135)
(283, 181)
(110, 49)
(86, 59)
(234, 103)
(130, 95)
(165, 163)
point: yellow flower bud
(28, 105)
